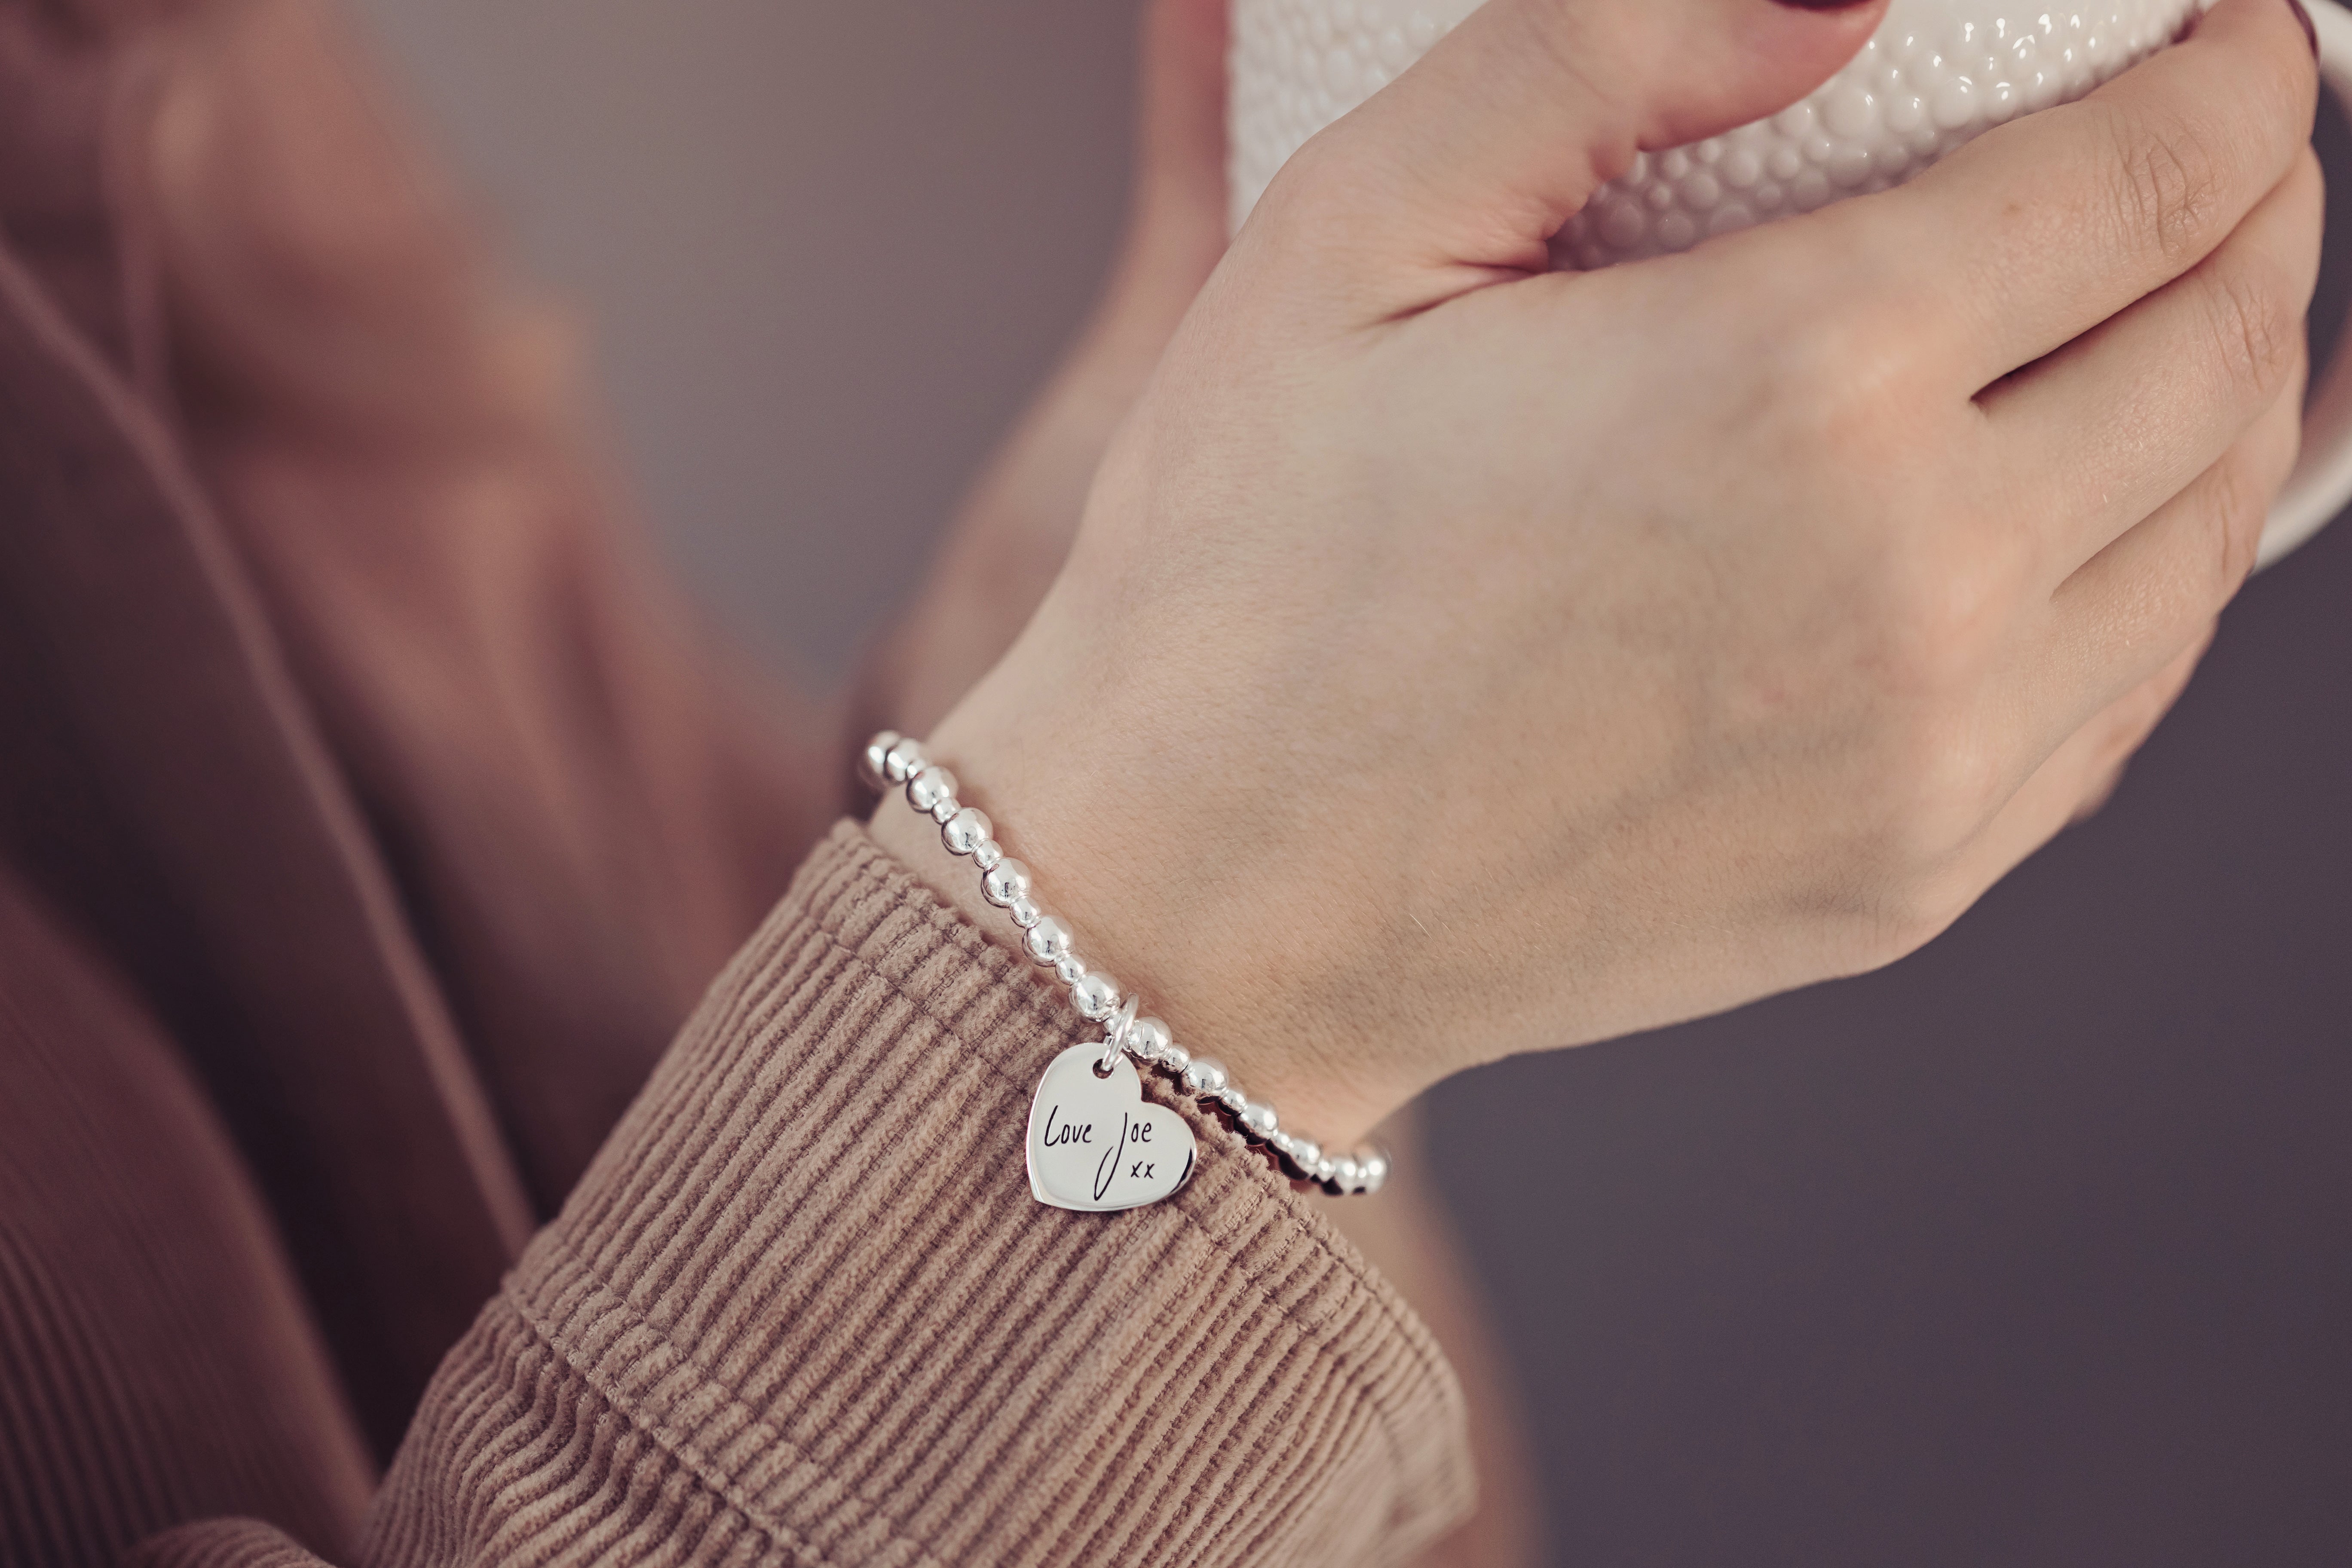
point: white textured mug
(1936, 73)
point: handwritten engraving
(1107, 1170)
(1082, 1134)
(1073, 1112)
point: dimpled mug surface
(1936, 73)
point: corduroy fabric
(225, 1544)
(804, 1308)
(157, 1360)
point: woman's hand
(1014, 529)
(1458, 661)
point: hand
(1015, 528)
(1458, 661)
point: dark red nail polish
(2309, 31)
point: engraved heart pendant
(1096, 1144)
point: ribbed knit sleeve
(802, 1309)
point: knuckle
(1837, 381)
(1933, 611)
(2236, 505)
(2130, 724)
(1922, 802)
(1935, 787)
(1946, 783)
(2168, 186)
(2120, 732)
(2254, 326)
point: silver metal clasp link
(1115, 1040)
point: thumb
(1459, 171)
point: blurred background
(2035, 1249)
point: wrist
(1166, 929)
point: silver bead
(1322, 1170)
(1048, 940)
(1232, 1097)
(1176, 1058)
(869, 761)
(927, 789)
(1070, 970)
(903, 760)
(1005, 882)
(1147, 1038)
(1259, 1118)
(1024, 911)
(1373, 1166)
(1306, 1154)
(966, 831)
(1204, 1077)
(987, 854)
(1281, 1142)
(1346, 1173)
(1096, 997)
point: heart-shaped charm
(1096, 1144)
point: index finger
(2046, 226)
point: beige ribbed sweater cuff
(804, 1308)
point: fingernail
(2309, 32)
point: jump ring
(1114, 1039)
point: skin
(1456, 659)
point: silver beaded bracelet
(1095, 1142)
